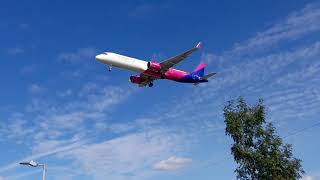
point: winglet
(198, 45)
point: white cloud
(63, 125)
(130, 156)
(309, 72)
(65, 93)
(24, 26)
(17, 129)
(142, 10)
(74, 115)
(48, 145)
(172, 163)
(78, 56)
(308, 178)
(56, 150)
(36, 89)
(158, 57)
(15, 51)
(292, 72)
(293, 27)
(263, 67)
(22, 175)
(29, 69)
(208, 58)
(121, 127)
(108, 96)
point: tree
(258, 151)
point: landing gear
(110, 68)
(150, 84)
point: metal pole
(43, 171)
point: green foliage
(258, 151)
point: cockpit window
(105, 53)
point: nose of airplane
(99, 57)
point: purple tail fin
(199, 70)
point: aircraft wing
(165, 65)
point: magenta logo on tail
(199, 70)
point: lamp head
(30, 163)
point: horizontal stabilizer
(208, 75)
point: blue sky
(59, 106)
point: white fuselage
(124, 62)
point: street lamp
(34, 164)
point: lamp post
(34, 164)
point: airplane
(152, 70)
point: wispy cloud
(258, 66)
(55, 128)
(36, 89)
(43, 154)
(308, 178)
(29, 69)
(142, 10)
(17, 129)
(65, 93)
(130, 156)
(80, 55)
(15, 51)
(21, 175)
(24, 26)
(296, 25)
(172, 163)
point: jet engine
(153, 66)
(135, 79)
